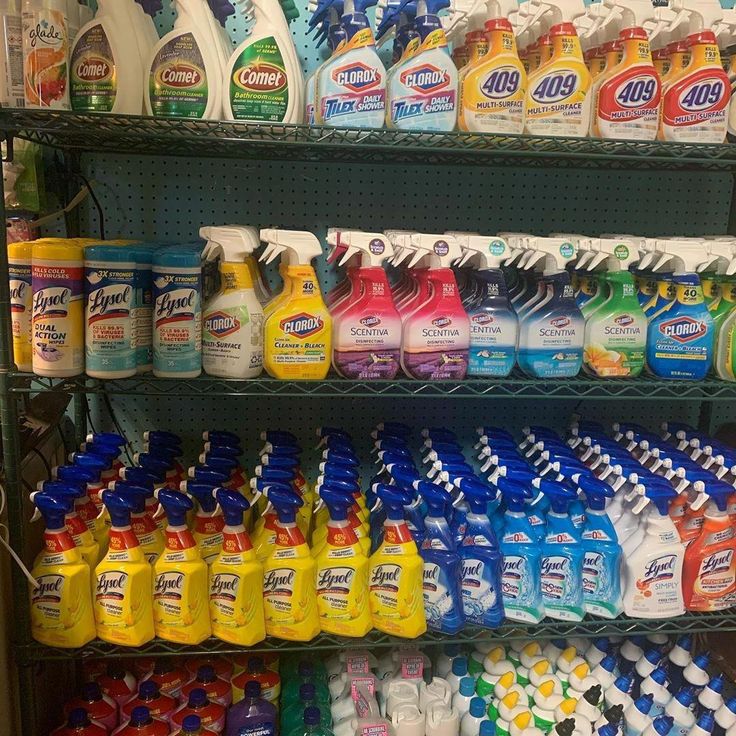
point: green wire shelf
(689, 623)
(516, 386)
(133, 135)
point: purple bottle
(252, 716)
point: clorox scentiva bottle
(558, 99)
(289, 592)
(695, 102)
(298, 330)
(396, 572)
(180, 590)
(493, 88)
(236, 603)
(350, 88)
(626, 98)
(61, 606)
(422, 88)
(122, 600)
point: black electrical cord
(96, 201)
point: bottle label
(601, 582)
(558, 102)
(259, 86)
(440, 594)
(657, 586)
(177, 315)
(47, 596)
(110, 597)
(21, 308)
(109, 324)
(551, 347)
(93, 72)
(341, 595)
(694, 109)
(628, 103)
(177, 82)
(11, 41)
(58, 318)
(46, 54)
(615, 343)
(714, 588)
(519, 572)
(480, 593)
(424, 91)
(492, 344)
(229, 335)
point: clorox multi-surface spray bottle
(626, 98)
(298, 329)
(232, 321)
(422, 88)
(350, 88)
(558, 99)
(493, 88)
(681, 335)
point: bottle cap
(198, 697)
(311, 716)
(140, 716)
(148, 690)
(685, 697)
(663, 724)
(716, 684)
(467, 686)
(252, 689)
(460, 666)
(593, 695)
(78, 718)
(644, 704)
(307, 691)
(608, 663)
(91, 692)
(477, 707)
(487, 728)
(191, 723)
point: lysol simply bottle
(493, 88)
(626, 98)
(551, 333)
(695, 102)
(367, 331)
(422, 88)
(494, 327)
(436, 335)
(615, 329)
(350, 89)
(681, 337)
(558, 100)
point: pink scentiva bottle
(436, 335)
(367, 329)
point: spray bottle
(616, 329)
(626, 98)
(493, 88)
(289, 593)
(236, 607)
(122, 599)
(557, 99)
(367, 331)
(494, 327)
(396, 572)
(436, 335)
(61, 606)
(681, 336)
(695, 102)
(327, 18)
(232, 321)
(350, 88)
(422, 88)
(551, 333)
(298, 330)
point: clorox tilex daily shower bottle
(422, 90)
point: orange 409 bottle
(709, 570)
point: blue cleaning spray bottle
(551, 332)
(680, 342)
(562, 557)
(602, 552)
(522, 558)
(494, 327)
(350, 88)
(442, 565)
(482, 562)
(422, 85)
(327, 19)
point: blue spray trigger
(285, 501)
(233, 451)
(559, 495)
(438, 433)
(109, 452)
(279, 461)
(136, 494)
(71, 488)
(341, 485)
(659, 492)
(327, 431)
(144, 476)
(318, 16)
(77, 474)
(176, 505)
(209, 475)
(438, 499)
(514, 494)
(494, 432)
(218, 437)
(90, 460)
(719, 492)
(394, 499)
(346, 458)
(154, 462)
(392, 15)
(203, 493)
(402, 473)
(106, 438)
(120, 506)
(167, 438)
(398, 429)
(232, 503)
(338, 503)
(392, 444)
(596, 491)
(221, 464)
(477, 493)
(335, 470)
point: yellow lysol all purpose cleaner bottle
(558, 100)
(124, 580)
(298, 331)
(289, 592)
(236, 576)
(180, 586)
(61, 603)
